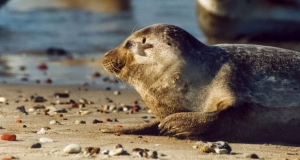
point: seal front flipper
(206, 126)
(146, 129)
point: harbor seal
(237, 93)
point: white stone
(72, 148)
(45, 140)
(115, 152)
(54, 122)
(117, 93)
(2, 99)
(221, 151)
(42, 131)
(105, 151)
(31, 109)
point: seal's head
(159, 46)
(156, 60)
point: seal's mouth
(112, 62)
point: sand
(89, 134)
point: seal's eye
(128, 45)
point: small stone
(24, 126)
(116, 93)
(219, 147)
(195, 147)
(46, 140)
(105, 151)
(72, 148)
(84, 101)
(22, 109)
(96, 74)
(61, 111)
(42, 66)
(42, 131)
(252, 156)
(116, 152)
(48, 81)
(10, 158)
(38, 107)
(61, 95)
(84, 112)
(88, 149)
(39, 99)
(118, 146)
(79, 122)
(97, 121)
(9, 137)
(37, 145)
(19, 121)
(54, 122)
(95, 150)
(2, 99)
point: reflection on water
(84, 28)
(267, 22)
(88, 5)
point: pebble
(84, 112)
(9, 137)
(72, 148)
(96, 74)
(19, 121)
(39, 99)
(42, 131)
(2, 99)
(61, 95)
(219, 147)
(46, 140)
(22, 109)
(54, 122)
(138, 152)
(118, 149)
(37, 145)
(10, 158)
(42, 66)
(105, 151)
(63, 110)
(116, 152)
(92, 150)
(79, 122)
(116, 93)
(24, 126)
(252, 156)
(97, 121)
(48, 81)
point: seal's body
(234, 92)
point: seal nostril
(144, 40)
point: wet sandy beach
(89, 134)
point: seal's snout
(113, 62)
